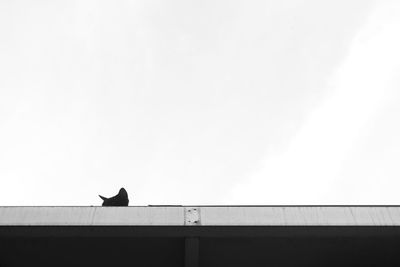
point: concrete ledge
(91, 216)
(202, 216)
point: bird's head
(122, 191)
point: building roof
(201, 216)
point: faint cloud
(309, 170)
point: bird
(121, 199)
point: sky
(200, 102)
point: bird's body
(121, 199)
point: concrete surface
(203, 215)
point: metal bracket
(192, 216)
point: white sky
(200, 102)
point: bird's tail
(103, 198)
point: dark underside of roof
(199, 246)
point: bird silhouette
(121, 199)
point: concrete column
(192, 252)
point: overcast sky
(200, 102)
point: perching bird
(119, 200)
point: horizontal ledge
(201, 216)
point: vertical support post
(191, 252)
